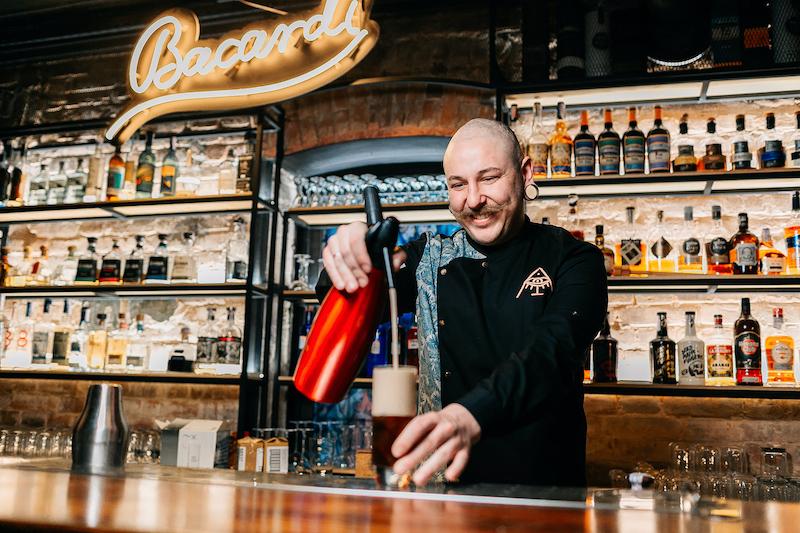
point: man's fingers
(437, 460)
(360, 253)
(330, 267)
(441, 433)
(455, 469)
(413, 433)
(350, 260)
(398, 259)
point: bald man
(506, 311)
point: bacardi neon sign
(172, 70)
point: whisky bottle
(207, 342)
(184, 266)
(137, 358)
(115, 180)
(771, 261)
(662, 354)
(780, 352)
(771, 152)
(661, 254)
(792, 235)
(228, 171)
(633, 146)
(608, 146)
(631, 250)
(795, 155)
(574, 225)
(604, 355)
(719, 356)
(741, 158)
(76, 184)
(608, 253)
(691, 259)
(237, 253)
(42, 270)
(658, 145)
(691, 351)
(685, 161)
(16, 192)
(744, 249)
(714, 159)
(146, 169)
(37, 190)
(57, 185)
(229, 342)
(560, 146)
(61, 337)
(117, 348)
(111, 267)
(717, 247)
(129, 188)
(244, 174)
(584, 148)
(87, 264)
(42, 343)
(79, 343)
(5, 267)
(97, 344)
(747, 347)
(169, 170)
(134, 263)
(537, 147)
(158, 264)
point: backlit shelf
(702, 283)
(300, 296)
(146, 377)
(359, 383)
(127, 291)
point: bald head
(490, 130)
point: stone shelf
(149, 377)
(128, 291)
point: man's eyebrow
(488, 170)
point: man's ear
(526, 170)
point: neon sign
(171, 70)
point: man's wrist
(462, 418)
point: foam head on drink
(394, 404)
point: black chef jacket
(513, 326)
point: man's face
(484, 187)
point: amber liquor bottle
(604, 356)
(747, 347)
(744, 249)
(662, 354)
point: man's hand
(447, 434)
(346, 259)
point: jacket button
(443, 271)
(483, 264)
(447, 374)
(441, 322)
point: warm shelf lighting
(754, 86)
(181, 208)
(41, 216)
(615, 95)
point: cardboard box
(250, 455)
(194, 444)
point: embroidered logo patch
(538, 283)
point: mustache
(483, 210)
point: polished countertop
(45, 495)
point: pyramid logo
(538, 283)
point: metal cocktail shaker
(100, 438)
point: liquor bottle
(771, 153)
(569, 34)
(79, 344)
(747, 347)
(244, 174)
(21, 273)
(61, 337)
(187, 347)
(228, 171)
(604, 355)
(719, 356)
(236, 253)
(608, 146)
(537, 147)
(661, 254)
(5, 267)
(117, 347)
(76, 184)
(691, 259)
(780, 352)
(57, 185)
(771, 261)
(16, 192)
(692, 355)
(95, 180)
(560, 146)
(207, 342)
(717, 247)
(129, 188)
(137, 359)
(158, 263)
(744, 249)
(308, 319)
(42, 270)
(795, 155)
(145, 170)
(574, 225)
(584, 148)
(587, 365)
(87, 264)
(115, 180)
(134, 264)
(169, 170)
(111, 267)
(187, 183)
(412, 343)
(5, 173)
(630, 250)
(714, 159)
(633, 142)
(792, 235)
(184, 265)
(97, 343)
(67, 269)
(685, 161)
(658, 145)
(42, 343)
(608, 253)
(229, 342)
(662, 354)
(37, 191)
(19, 345)
(741, 158)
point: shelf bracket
(709, 186)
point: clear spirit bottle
(138, 356)
(115, 180)
(76, 184)
(134, 264)
(207, 342)
(22, 272)
(87, 264)
(169, 170)
(691, 259)
(574, 225)
(779, 346)
(19, 346)
(691, 353)
(771, 261)
(228, 171)
(42, 345)
(560, 146)
(662, 354)
(631, 249)
(184, 264)
(661, 253)
(57, 186)
(97, 344)
(229, 342)
(719, 356)
(37, 190)
(111, 267)
(718, 246)
(237, 253)
(741, 157)
(42, 271)
(633, 146)
(66, 269)
(146, 169)
(187, 182)
(62, 334)
(795, 155)
(95, 179)
(158, 264)
(537, 147)
(117, 348)
(79, 343)
(658, 145)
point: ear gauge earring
(531, 192)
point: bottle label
(691, 252)
(205, 349)
(245, 166)
(413, 344)
(60, 346)
(686, 150)
(741, 154)
(87, 270)
(114, 358)
(692, 364)
(301, 343)
(633, 148)
(135, 360)
(584, 157)
(720, 361)
(661, 248)
(773, 265)
(658, 151)
(157, 268)
(773, 155)
(110, 270)
(631, 252)
(538, 153)
(780, 356)
(133, 270)
(746, 254)
(115, 180)
(663, 362)
(561, 158)
(609, 155)
(238, 270)
(748, 350)
(229, 350)
(168, 173)
(39, 347)
(144, 177)
(181, 268)
(793, 241)
(608, 261)
(714, 160)
(714, 149)
(718, 251)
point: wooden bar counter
(47, 497)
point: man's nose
(474, 197)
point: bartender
(506, 310)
